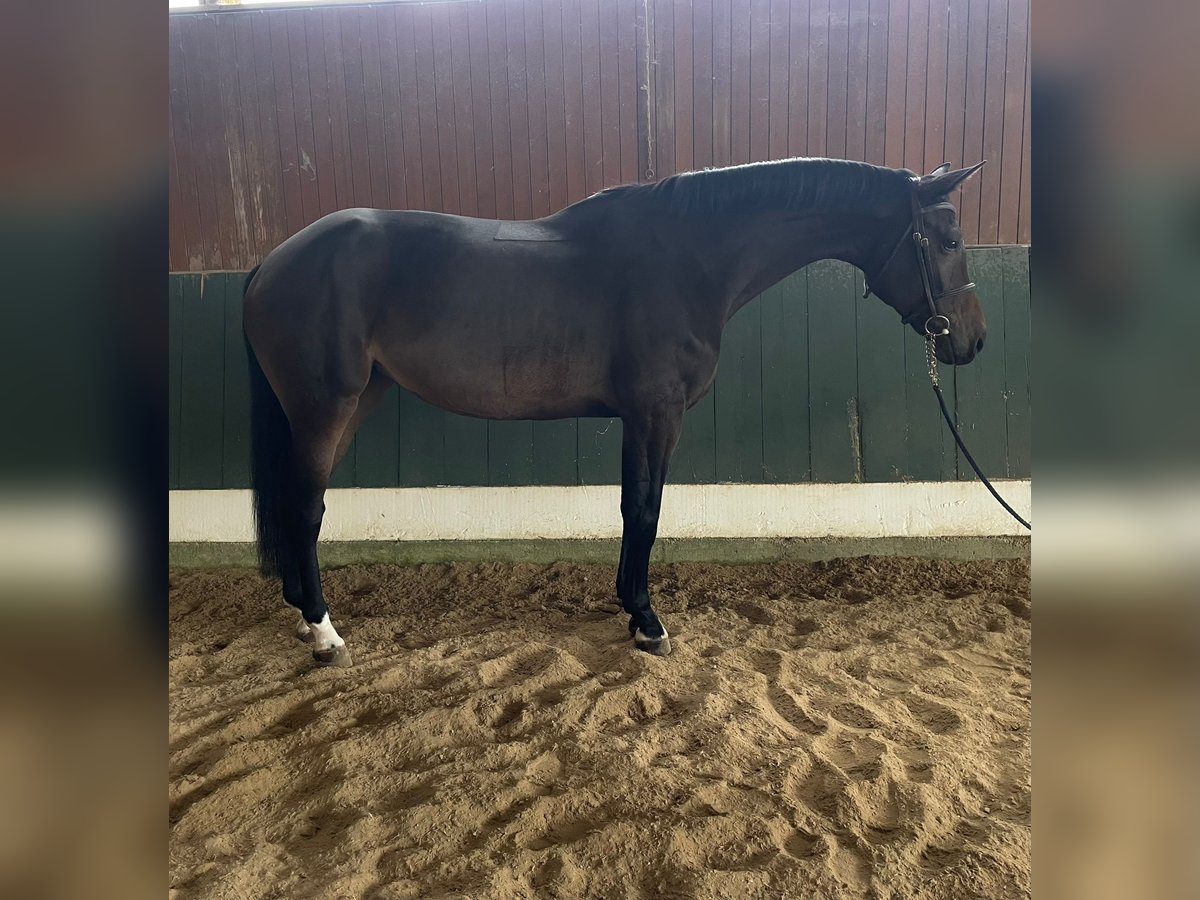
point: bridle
(936, 324)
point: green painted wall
(814, 384)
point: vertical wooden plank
(195, 52)
(1024, 224)
(378, 176)
(897, 77)
(253, 152)
(235, 404)
(779, 65)
(535, 69)
(339, 128)
(377, 445)
(422, 173)
(465, 447)
(556, 104)
(882, 406)
(326, 178)
(518, 109)
(610, 94)
(394, 143)
(1014, 114)
(174, 374)
(786, 440)
(832, 372)
(968, 211)
(431, 159)
(818, 77)
(722, 82)
(186, 171)
(464, 109)
(739, 83)
(573, 101)
(555, 444)
(276, 38)
(935, 87)
(877, 82)
(798, 81)
(510, 453)
(310, 196)
(202, 382)
(684, 122)
(915, 84)
(241, 181)
(954, 150)
(357, 143)
(837, 115)
(481, 110)
(702, 84)
(1017, 375)
(423, 456)
(980, 385)
(760, 83)
(695, 460)
(599, 451)
(254, 52)
(447, 124)
(738, 398)
(664, 89)
(502, 158)
(857, 37)
(223, 140)
(630, 68)
(993, 122)
(593, 147)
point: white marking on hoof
(656, 646)
(325, 636)
(641, 638)
(304, 633)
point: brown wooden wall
(515, 108)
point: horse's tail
(270, 449)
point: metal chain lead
(931, 357)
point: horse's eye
(951, 245)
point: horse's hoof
(304, 633)
(655, 646)
(334, 656)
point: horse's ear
(938, 184)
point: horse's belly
(505, 383)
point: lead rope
(931, 356)
(935, 326)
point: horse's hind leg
(376, 388)
(316, 436)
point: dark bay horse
(612, 307)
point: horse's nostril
(979, 345)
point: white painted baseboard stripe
(903, 509)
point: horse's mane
(798, 183)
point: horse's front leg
(648, 442)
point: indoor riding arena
(461, 678)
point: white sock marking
(638, 636)
(324, 634)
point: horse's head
(900, 282)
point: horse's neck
(755, 254)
